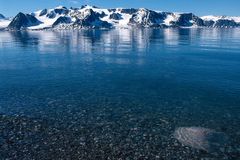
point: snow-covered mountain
(94, 17)
(221, 21)
(4, 22)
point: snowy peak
(148, 18)
(221, 21)
(51, 13)
(93, 17)
(23, 20)
(216, 18)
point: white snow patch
(216, 18)
(4, 23)
(170, 18)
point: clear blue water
(98, 94)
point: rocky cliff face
(147, 18)
(22, 21)
(61, 20)
(93, 17)
(188, 20)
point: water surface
(111, 94)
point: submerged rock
(201, 138)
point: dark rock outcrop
(62, 10)
(124, 10)
(43, 12)
(84, 6)
(51, 14)
(208, 23)
(187, 20)
(225, 23)
(221, 23)
(2, 16)
(115, 16)
(129, 11)
(94, 15)
(62, 20)
(23, 20)
(87, 23)
(92, 20)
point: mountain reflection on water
(120, 41)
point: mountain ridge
(90, 17)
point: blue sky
(199, 7)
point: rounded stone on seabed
(201, 138)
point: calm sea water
(117, 94)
